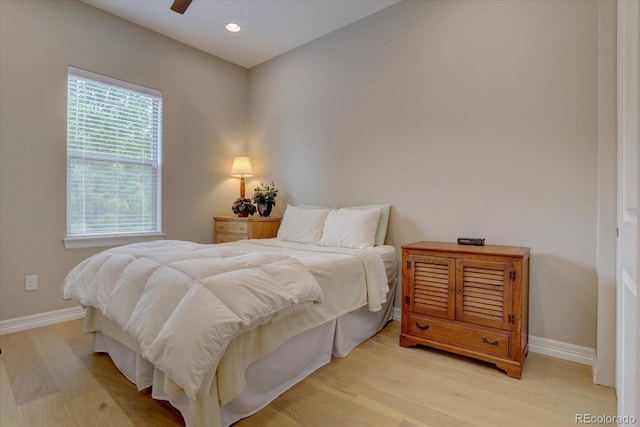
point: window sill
(82, 242)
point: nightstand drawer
(231, 229)
(487, 342)
(227, 238)
(240, 227)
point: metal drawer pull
(486, 341)
(421, 327)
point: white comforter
(183, 302)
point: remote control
(474, 241)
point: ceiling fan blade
(180, 6)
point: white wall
(205, 104)
(604, 366)
(470, 118)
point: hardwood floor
(50, 377)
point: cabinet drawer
(232, 227)
(487, 342)
(227, 238)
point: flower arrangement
(265, 197)
(265, 193)
(243, 207)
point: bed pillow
(350, 228)
(383, 224)
(302, 225)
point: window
(114, 134)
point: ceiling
(269, 27)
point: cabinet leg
(406, 341)
(513, 371)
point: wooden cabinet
(231, 229)
(469, 300)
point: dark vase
(264, 209)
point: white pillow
(383, 224)
(302, 225)
(381, 231)
(347, 228)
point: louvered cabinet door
(433, 286)
(483, 292)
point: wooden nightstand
(233, 228)
(470, 300)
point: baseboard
(36, 320)
(562, 350)
(557, 349)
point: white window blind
(114, 134)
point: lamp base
(242, 187)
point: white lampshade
(241, 167)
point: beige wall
(470, 118)
(205, 105)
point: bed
(259, 359)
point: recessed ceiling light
(233, 27)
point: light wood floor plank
(28, 375)
(50, 376)
(268, 417)
(9, 413)
(97, 408)
(67, 371)
(355, 379)
(50, 411)
(311, 406)
(366, 399)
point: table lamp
(241, 167)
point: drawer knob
(422, 327)
(486, 341)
